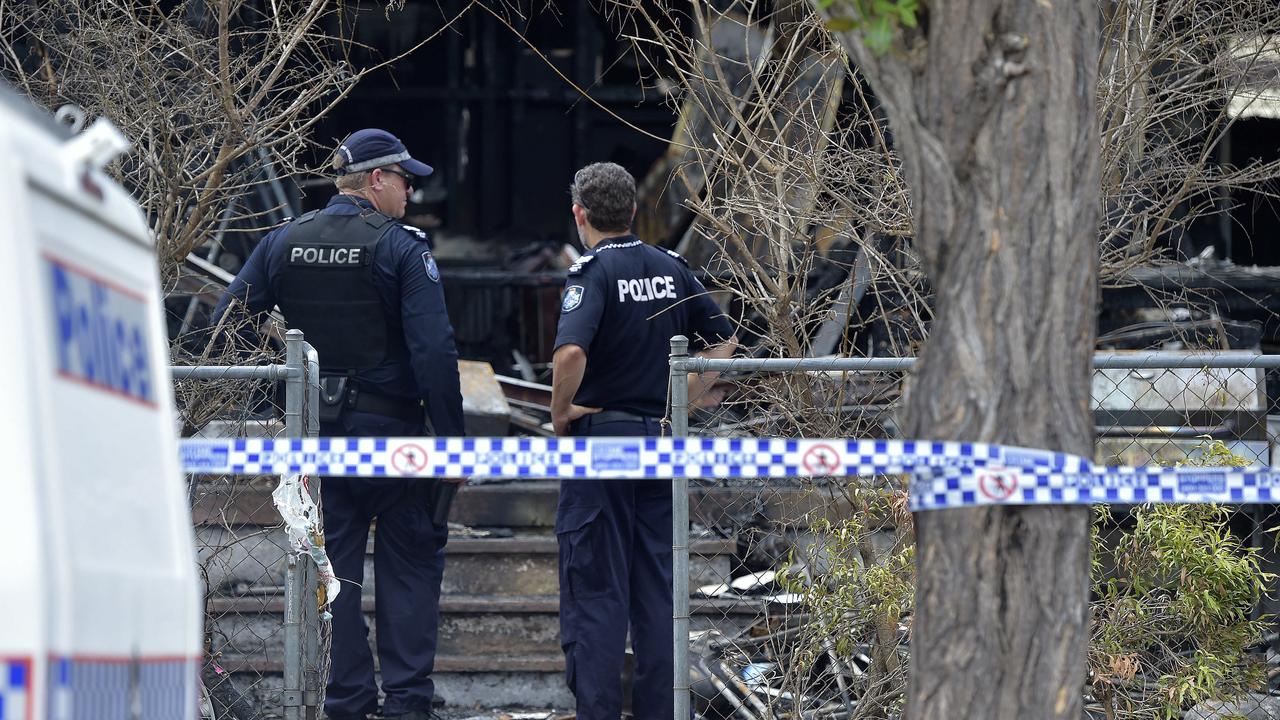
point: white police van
(99, 602)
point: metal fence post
(303, 638)
(680, 533)
(312, 678)
(295, 384)
(294, 594)
(313, 392)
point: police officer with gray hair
(365, 290)
(623, 301)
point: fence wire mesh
(801, 590)
(244, 556)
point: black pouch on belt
(441, 500)
(333, 397)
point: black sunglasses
(408, 179)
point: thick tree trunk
(992, 108)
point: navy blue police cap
(373, 148)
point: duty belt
(608, 416)
(400, 408)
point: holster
(441, 501)
(339, 392)
(333, 397)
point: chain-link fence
(803, 608)
(265, 647)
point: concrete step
(547, 663)
(526, 505)
(475, 626)
(522, 565)
(522, 505)
(518, 660)
(462, 681)
(527, 564)
(478, 626)
(509, 505)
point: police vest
(326, 289)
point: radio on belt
(101, 602)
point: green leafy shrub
(1173, 588)
(858, 582)
(1173, 595)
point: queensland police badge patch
(572, 298)
(429, 263)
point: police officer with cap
(365, 291)
(623, 301)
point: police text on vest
(642, 289)
(325, 256)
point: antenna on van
(70, 115)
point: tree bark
(991, 104)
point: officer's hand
(707, 398)
(561, 423)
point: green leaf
(907, 15)
(879, 35)
(842, 24)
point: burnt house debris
(501, 126)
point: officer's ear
(579, 215)
(632, 221)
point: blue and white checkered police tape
(943, 474)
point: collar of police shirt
(602, 245)
(359, 201)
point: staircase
(499, 625)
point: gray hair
(350, 182)
(608, 193)
(353, 181)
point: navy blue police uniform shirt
(408, 282)
(623, 301)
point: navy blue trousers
(408, 558)
(615, 575)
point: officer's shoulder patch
(581, 263)
(419, 234)
(676, 255)
(429, 263)
(572, 298)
